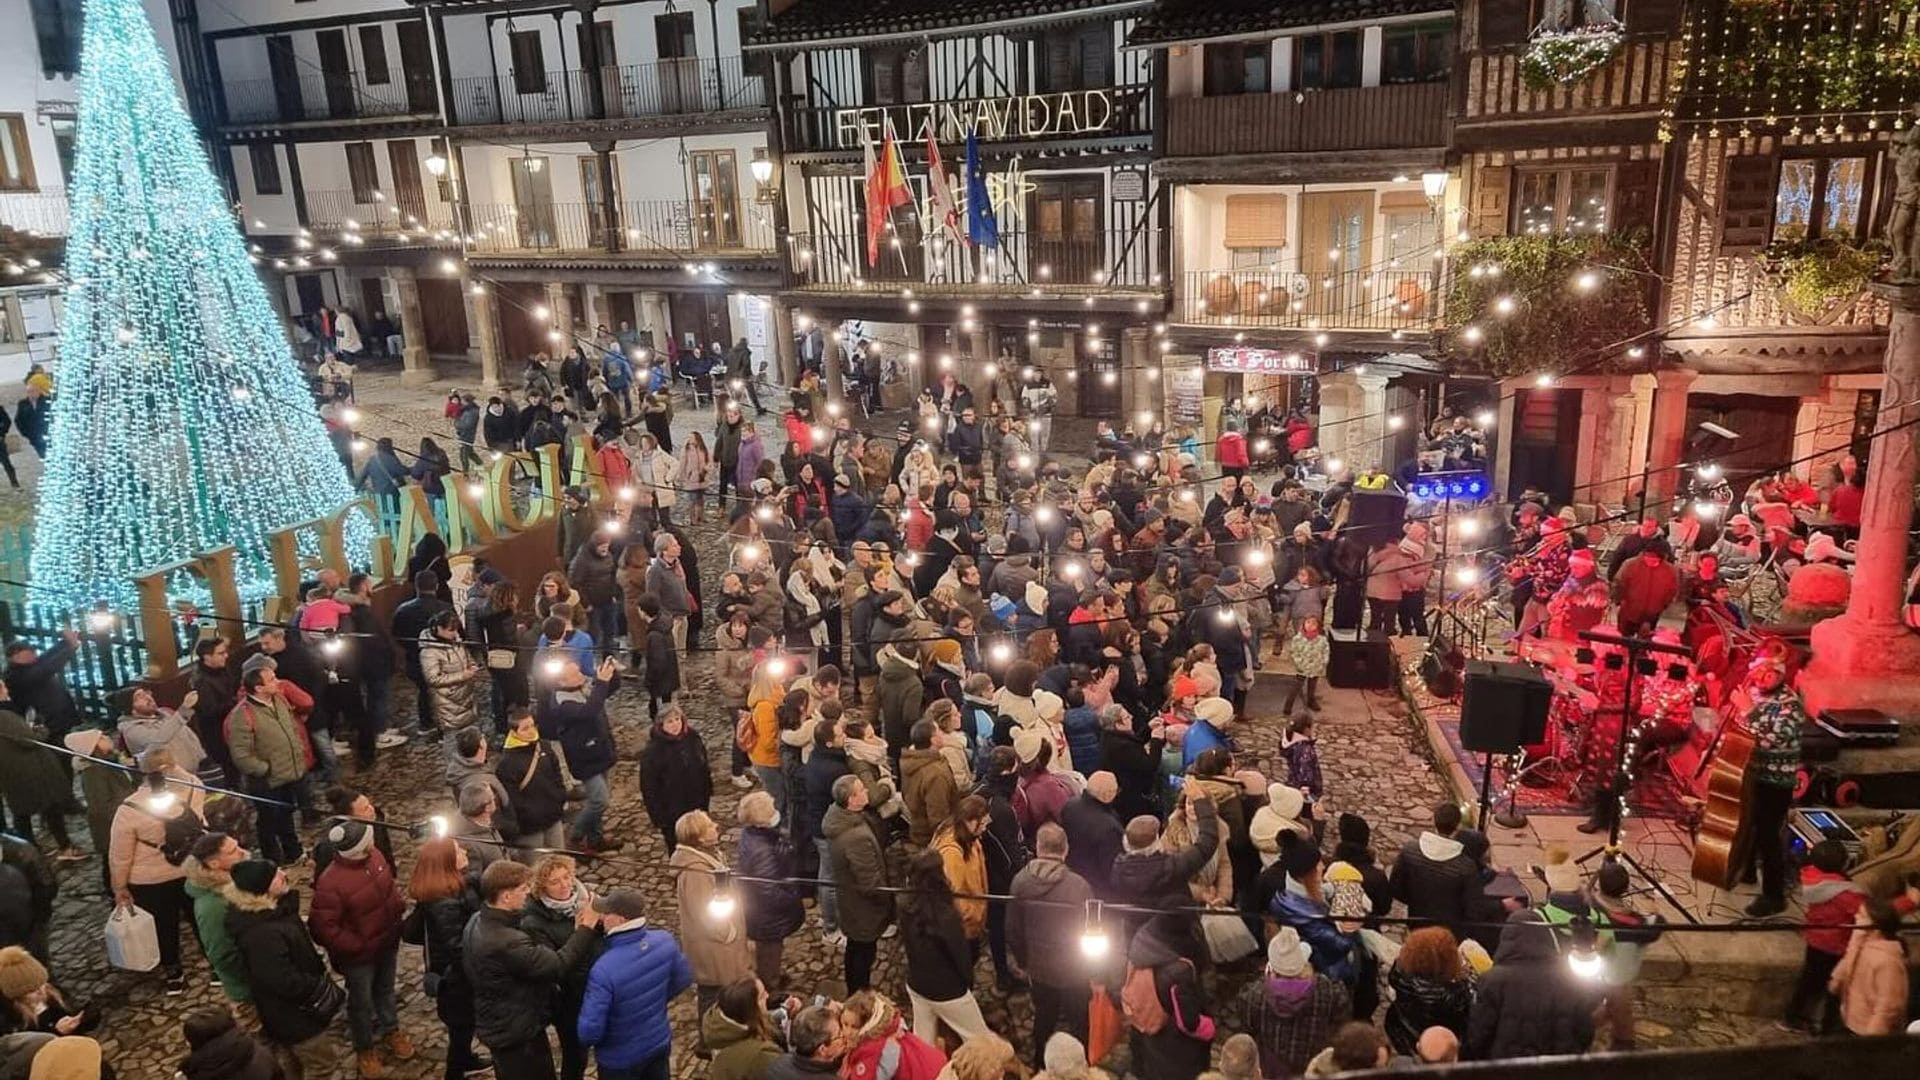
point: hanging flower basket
(1564, 57)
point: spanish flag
(886, 189)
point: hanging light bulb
(1708, 472)
(1094, 940)
(476, 488)
(1583, 953)
(331, 644)
(440, 826)
(158, 798)
(777, 667)
(1001, 652)
(102, 620)
(553, 667)
(721, 905)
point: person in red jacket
(356, 915)
(1232, 449)
(1644, 589)
(1833, 901)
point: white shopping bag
(132, 942)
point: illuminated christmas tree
(181, 422)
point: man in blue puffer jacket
(624, 1014)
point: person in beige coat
(1871, 980)
(717, 948)
(146, 830)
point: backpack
(179, 835)
(1140, 1001)
(744, 735)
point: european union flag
(982, 229)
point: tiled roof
(817, 20)
(1193, 20)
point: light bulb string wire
(431, 827)
(1491, 550)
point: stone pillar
(1353, 423)
(416, 368)
(1667, 439)
(973, 368)
(486, 333)
(1867, 658)
(1503, 438)
(560, 302)
(1142, 388)
(786, 350)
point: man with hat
(849, 511)
(1292, 1010)
(356, 916)
(514, 975)
(624, 1014)
(295, 996)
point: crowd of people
(979, 702)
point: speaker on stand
(1504, 708)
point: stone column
(1667, 440)
(560, 302)
(416, 368)
(486, 333)
(786, 351)
(1353, 422)
(1142, 389)
(1867, 658)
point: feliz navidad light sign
(1022, 116)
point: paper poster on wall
(1185, 388)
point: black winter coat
(440, 925)
(1006, 850)
(231, 1055)
(1420, 1003)
(1529, 1002)
(939, 960)
(1159, 878)
(1433, 888)
(1095, 837)
(825, 766)
(514, 974)
(39, 686)
(1166, 945)
(1135, 766)
(663, 660)
(27, 890)
(284, 968)
(581, 728)
(674, 777)
(538, 800)
(773, 910)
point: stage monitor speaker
(1364, 663)
(1505, 707)
(1376, 517)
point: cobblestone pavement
(1375, 765)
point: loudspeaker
(1505, 707)
(1376, 517)
(1360, 664)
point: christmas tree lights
(182, 423)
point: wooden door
(443, 316)
(521, 334)
(533, 199)
(1546, 442)
(1066, 230)
(285, 71)
(703, 315)
(373, 301)
(416, 67)
(620, 310)
(1336, 239)
(408, 196)
(336, 70)
(597, 221)
(608, 71)
(679, 71)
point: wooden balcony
(1406, 115)
(1634, 84)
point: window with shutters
(264, 161)
(16, 157)
(373, 55)
(1076, 58)
(1571, 200)
(1504, 23)
(1746, 205)
(529, 62)
(1238, 67)
(1411, 237)
(1256, 229)
(362, 172)
(1326, 61)
(896, 76)
(57, 26)
(1823, 197)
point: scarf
(515, 742)
(569, 907)
(797, 588)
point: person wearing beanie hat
(1582, 600)
(20, 973)
(1211, 718)
(292, 991)
(1283, 812)
(69, 1057)
(356, 914)
(1291, 1011)
(1353, 847)
(1065, 1058)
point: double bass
(1721, 845)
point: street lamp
(762, 169)
(1434, 184)
(437, 165)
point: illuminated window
(1551, 201)
(1821, 197)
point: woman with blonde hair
(766, 688)
(716, 947)
(553, 904)
(773, 907)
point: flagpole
(899, 249)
